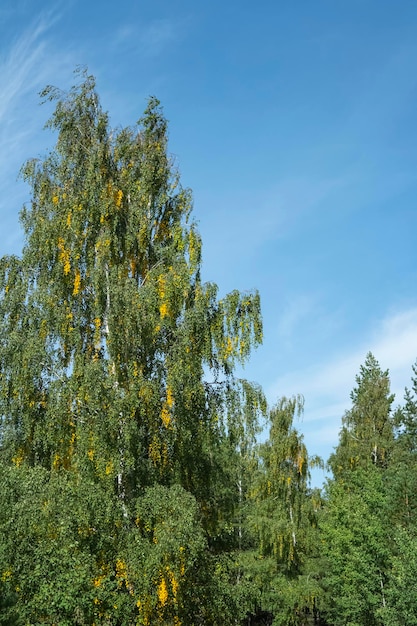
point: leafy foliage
(369, 517)
(366, 436)
(117, 391)
(355, 542)
(284, 519)
(133, 489)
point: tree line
(134, 488)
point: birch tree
(284, 519)
(116, 360)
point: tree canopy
(117, 373)
(134, 486)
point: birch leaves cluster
(118, 328)
(133, 488)
(116, 364)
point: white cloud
(263, 217)
(158, 35)
(323, 436)
(22, 69)
(397, 344)
(393, 343)
(292, 199)
(149, 39)
(326, 386)
(296, 310)
(26, 66)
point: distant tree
(401, 605)
(354, 526)
(403, 471)
(367, 434)
(117, 386)
(355, 543)
(284, 521)
(401, 514)
(406, 417)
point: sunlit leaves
(117, 376)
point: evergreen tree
(403, 473)
(116, 382)
(354, 528)
(401, 605)
(401, 513)
(355, 543)
(406, 417)
(366, 436)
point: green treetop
(284, 519)
(366, 436)
(354, 530)
(116, 361)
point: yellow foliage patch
(174, 584)
(97, 581)
(170, 397)
(161, 286)
(162, 592)
(118, 197)
(121, 570)
(6, 575)
(165, 416)
(154, 451)
(64, 256)
(228, 349)
(77, 283)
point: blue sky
(294, 124)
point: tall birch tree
(116, 360)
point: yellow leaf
(162, 592)
(118, 196)
(77, 283)
(170, 397)
(165, 416)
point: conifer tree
(403, 473)
(356, 545)
(401, 514)
(354, 530)
(366, 436)
(116, 369)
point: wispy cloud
(326, 386)
(26, 66)
(295, 312)
(149, 39)
(292, 199)
(265, 216)
(158, 35)
(393, 341)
